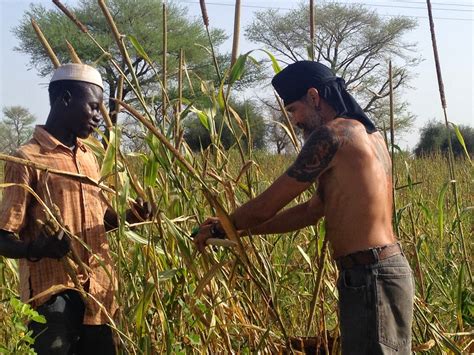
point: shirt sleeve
(15, 199)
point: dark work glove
(54, 247)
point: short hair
(57, 88)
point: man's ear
(313, 96)
(66, 98)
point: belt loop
(375, 253)
(401, 249)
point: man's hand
(52, 242)
(49, 246)
(141, 211)
(211, 228)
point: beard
(312, 122)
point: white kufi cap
(78, 72)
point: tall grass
(258, 296)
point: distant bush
(197, 136)
(434, 139)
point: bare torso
(357, 191)
(353, 172)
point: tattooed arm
(260, 214)
(315, 157)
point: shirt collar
(48, 141)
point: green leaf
(238, 68)
(20, 326)
(426, 211)
(194, 339)
(15, 303)
(139, 48)
(109, 158)
(96, 146)
(139, 155)
(135, 237)
(143, 304)
(151, 171)
(321, 234)
(167, 274)
(202, 117)
(461, 140)
(220, 96)
(38, 318)
(275, 66)
(28, 339)
(305, 256)
(441, 197)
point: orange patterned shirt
(82, 211)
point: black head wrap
(293, 82)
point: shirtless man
(348, 159)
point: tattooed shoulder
(346, 131)
(316, 155)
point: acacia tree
(142, 19)
(15, 128)
(354, 42)
(277, 134)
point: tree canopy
(434, 139)
(355, 42)
(141, 19)
(197, 136)
(15, 128)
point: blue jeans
(376, 307)
(64, 333)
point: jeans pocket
(394, 289)
(354, 312)
(353, 279)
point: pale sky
(454, 30)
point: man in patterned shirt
(75, 324)
(348, 159)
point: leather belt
(369, 256)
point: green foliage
(173, 300)
(197, 131)
(141, 20)
(15, 128)
(434, 139)
(15, 338)
(355, 42)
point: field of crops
(172, 300)
(275, 291)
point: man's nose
(295, 121)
